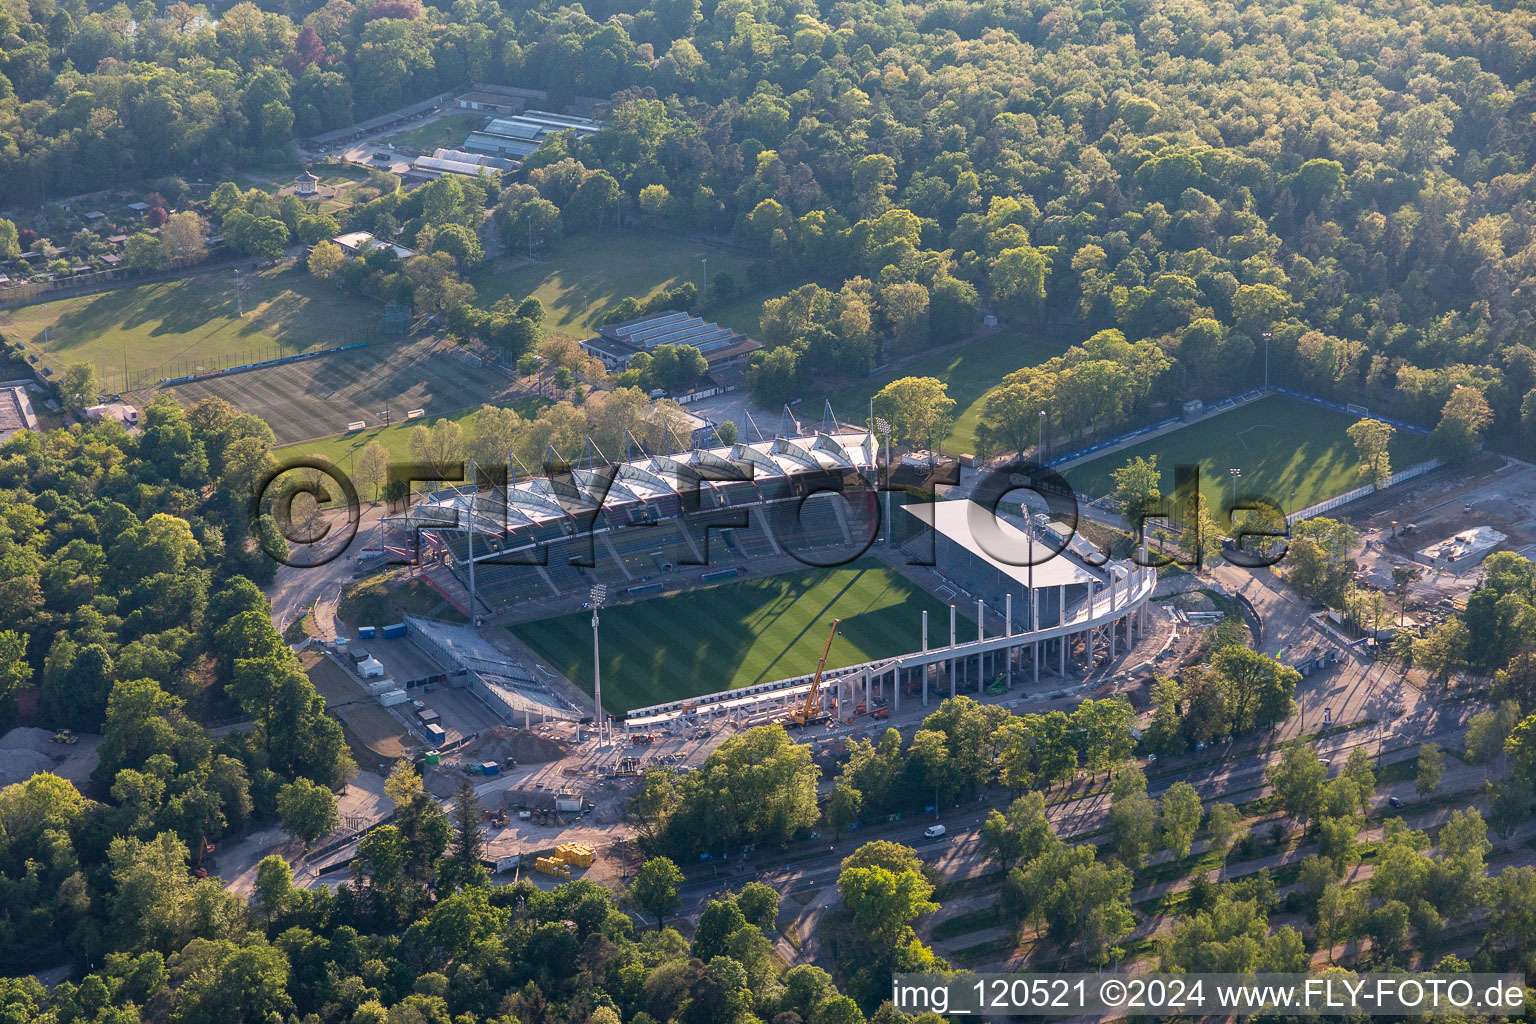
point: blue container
(489, 768)
(365, 632)
(394, 631)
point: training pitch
(742, 633)
(320, 396)
(1294, 452)
(139, 334)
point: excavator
(811, 713)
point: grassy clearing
(970, 371)
(1292, 451)
(590, 272)
(184, 326)
(737, 634)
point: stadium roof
(968, 524)
(532, 501)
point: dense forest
(1352, 180)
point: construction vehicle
(203, 847)
(811, 713)
(65, 736)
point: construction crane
(811, 713)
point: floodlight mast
(598, 594)
(885, 430)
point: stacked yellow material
(576, 854)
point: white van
(934, 831)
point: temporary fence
(1355, 494)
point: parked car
(1395, 801)
(934, 831)
(1467, 507)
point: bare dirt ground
(25, 752)
(1502, 494)
(376, 736)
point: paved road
(294, 590)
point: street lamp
(1266, 337)
(885, 430)
(1040, 440)
(239, 304)
(598, 594)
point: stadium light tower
(598, 595)
(1234, 473)
(885, 431)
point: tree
(1132, 818)
(1430, 770)
(1200, 538)
(1462, 420)
(1180, 815)
(1255, 687)
(1488, 731)
(308, 811)
(1403, 578)
(884, 903)
(185, 238)
(1297, 779)
(463, 868)
(655, 888)
(1221, 822)
(495, 435)
(1137, 488)
(917, 408)
(274, 889)
(1371, 439)
(144, 251)
(1018, 279)
(440, 446)
(843, 807)
(326, 260)
(372, 466)
(79, 387)
(10, 244)
(14, 670)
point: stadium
(661, 528)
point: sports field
(1292, 451)
(597, 269)
(740, 634)
(314, 397)
(185, 326)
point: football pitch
(137, 334)
(742, 633)
(1294, 452)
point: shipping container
(394, 631)
(392, 697)
(433, 757)
(508, 863)
(365, 632)
(489, 768)
(434, 731)
(428, 716)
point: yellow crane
(811, 712)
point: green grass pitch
(741, 633)
(169, 328)
(1292, 451)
